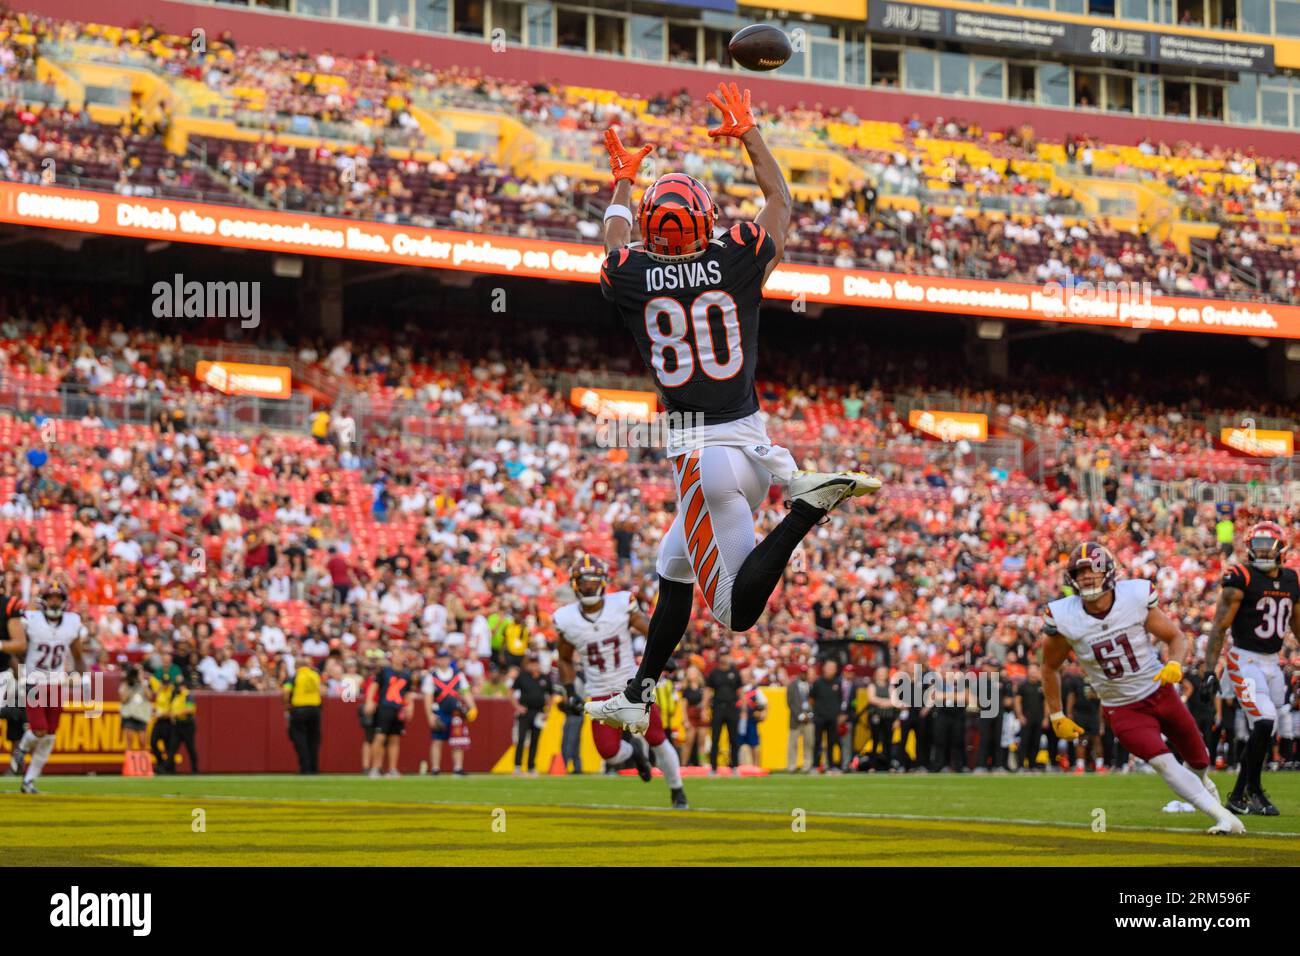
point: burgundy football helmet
(1091, 556)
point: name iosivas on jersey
(1115, 651)
(604, 643)
(695, 324)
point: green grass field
(856, 820)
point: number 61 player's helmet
(1265, 545)
(677, 216)
(1091, 556)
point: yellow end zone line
(781, 814)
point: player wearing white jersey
(1109, 626)
(53, 637)
(596, 631)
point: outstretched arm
(618, 217)
(1055, 650)
(738, 123)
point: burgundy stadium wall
(348, 39)
(248, 733)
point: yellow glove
(472, 715)
(1065, 728)
(1171, 673)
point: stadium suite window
(354, 9)
(571, 29)
(918, 70)
(1274, 102)
(648, 38)
(683, 42)
(433, 15)
(1054, 87)
(715, 47)
(954, 74)
(508, 17)
(825, 60)
(540, 25)
(314, 8)
(1243, 100)
(393, 13)
(884, 66)
(1256, 16)
(609, 34)
(1288, 17)
(1135, 9)
(471, 19)
(855, 62)
(989, 78)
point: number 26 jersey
(695, 322)
(1115, 651)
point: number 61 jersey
(1115, 651)
(604, 644)
(1264, 617)
(696, 321)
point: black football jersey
(696, 322)
(1264, 616)
(10, 608)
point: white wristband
(618, 211)
(1056, 716)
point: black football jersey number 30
(1262, 620)
(696, 322)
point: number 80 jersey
(604, 644)
(1115, 651)
(696, 321)
(1264, 617)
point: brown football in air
(760, 46)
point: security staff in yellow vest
(183, 709)
(160, 738)
(303, 702)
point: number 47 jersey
(1115, 651)
(696, 321)
(603, 644)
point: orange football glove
(622, 163)
(737, 117)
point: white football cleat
(1229, 824)
(826, 489)
(621, 712)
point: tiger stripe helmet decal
(676, 218)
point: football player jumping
(53, 635)
(598, 629)
(1109, 625)
(691, 301)
(1259, 602)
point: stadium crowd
(974, 202)
(227, 557)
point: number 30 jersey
(1264, 617)
(604, 645)
(49, 646)
(696, 322)
(1115, 651)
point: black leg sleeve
(762, 569)
(667, 626)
